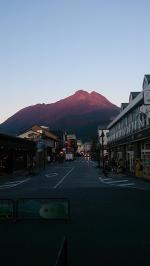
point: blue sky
(51, 48)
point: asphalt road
(109, 218)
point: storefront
(15, 154)
(145, 156)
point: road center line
(63, 178)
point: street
(109, 218)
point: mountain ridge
(77, 109)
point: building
(15, 154)
(80, 146)
(87, 147)
(129, 132)
(71, 143)
(47, 143)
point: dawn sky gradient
(51, 48)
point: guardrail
(62, 258)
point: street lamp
(101, 145)
(102, 136)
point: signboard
(72, 136)
(147, 97)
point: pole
(99, 155)
(103, 149)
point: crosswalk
(114, 182)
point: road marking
(51, 175)
(101, 179)
(62, 167)
(127, 184)
(117, 181)
(14, 183)
(63, 178)
(106, 179)
(124, 185)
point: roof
(47, 133)
(15, 141)
(134, 94)
(148, 78)
(124, 105)
(130, 106)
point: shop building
(15, 154)
(129, 132)
(47, 143)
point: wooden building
(15, 154)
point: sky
(51, 48)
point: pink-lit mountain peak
(93, 98)
(81, 95)
(82, 112)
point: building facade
(129, 132)
(15, 154)
(47, 143)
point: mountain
(80, 113)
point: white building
(129, 132)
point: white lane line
(106, 179)
(5, 186)
(22, 181)
(101, 180)
(11, 185)
(127, 184)
(124, 185)
(62, 167)
(63, 178)
(51, 175)
(11, 182)
(117, 181)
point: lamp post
(102, 136)
(101, 146)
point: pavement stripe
(11, 185)
(13, 182)
(61, 167)
(118, 181)
(106, 179)
(101, 180)
(51, 175)
(124, 185)
(63, 178)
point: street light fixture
(101, 145)
(102, 136)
